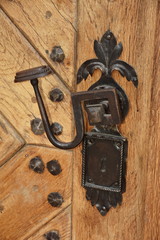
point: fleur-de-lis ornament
(108, 51)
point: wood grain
(46, 24)
(10, 140)
(134, 24)
(61, 224)
(152, 203)
(29, 29)
(23, 193)
(18, 101)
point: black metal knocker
(104, 149)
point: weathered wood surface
(61, 223)
(46, 24)
(18, 102)
(10, 140)
(134, 23)
(29, 29)
(23, 195)
(152, 202)
(23, 201)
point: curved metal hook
(78, 121)
(32, 75)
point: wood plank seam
(34, 47)
(23, 143)
(64, 17)
(63, 210)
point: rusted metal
(104, 168)
(57, 54)
(52, 235)
(32, 73)
(54, 167)
(56, 95)
(37, 165)
(106, 104)
(57, 128)
(55, 199)
(37, 126)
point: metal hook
(32, 75)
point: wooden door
(29, 30)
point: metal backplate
(104, 157)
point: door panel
(134, 23)
(152, 203)
(29, 29)
(61, 223)
(47, 24)
(10, 140)
(24, 193)
(18, 102)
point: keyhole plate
(103, 161)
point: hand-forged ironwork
(104, 149)
(107, 51)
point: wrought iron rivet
(57, 54)
(90, 141)
(56, 128)
(56, 95)
(37, 165)
(90, 180)
(109, 36)
(116, 184)
(118, 145)
(54, 167)
(37, 126)
(55, 199)
(52, 235)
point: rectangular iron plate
(103, 160)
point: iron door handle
(106, 104)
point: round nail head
(56, 95)
(55, 199)
(57, 54)
(56, 128)
(52, 235)
(37, 126)
(54, 167)
(37, 165)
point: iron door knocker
(104, 149)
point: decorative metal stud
(54, 167)
(37, 165)
(56, 95)
(37, 126)
(55, 199)
(57, 54)
(57, 128)
(52, 235)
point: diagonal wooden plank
(10, 140)
(61, 224)
(46, 24)
(23, 193)
(17, 101)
